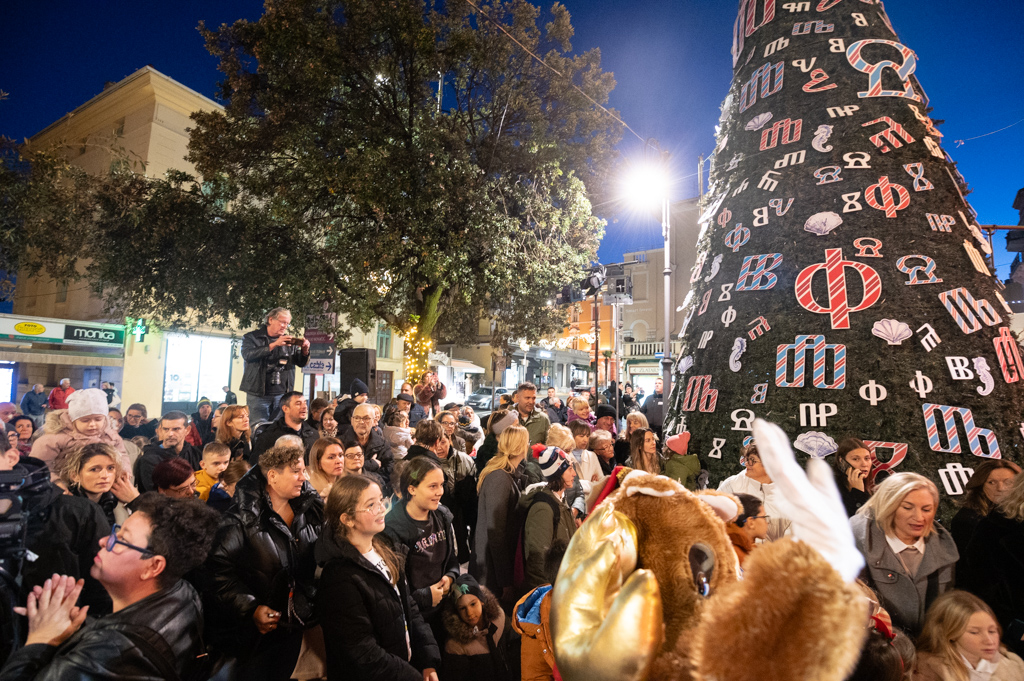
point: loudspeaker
(358, 363)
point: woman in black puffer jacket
(363, 602)
(262, 566)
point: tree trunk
(419, 343)
(841, 287)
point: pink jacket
(60, 437)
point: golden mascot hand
(650, 587)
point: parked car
(481, 398)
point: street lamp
(646, 186)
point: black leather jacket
(258, 560)
(257, 355)
(141, 642)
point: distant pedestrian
(33, 404)
(229, 396)
(59, 396)
(654, 407)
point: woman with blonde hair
(326, 464)
(234, 431)
(634, 422)
(588, 468)
(580, 409)
(497, 529)
(910, 559)
(960, 642)
(996, 560)
(94, 471)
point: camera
(296, 341)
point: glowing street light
(646, 186)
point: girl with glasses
(373, 629)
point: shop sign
(42, 330)
(319, 366)
(645, 370)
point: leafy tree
(414, 163)
(401, 160)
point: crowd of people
(411, 540)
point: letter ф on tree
(420, 167)
(860, 301)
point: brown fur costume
(791, 616)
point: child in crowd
(478, 634)
(682, 466)
(216, 457)
(84, 421)
(222, 494)
(532, 619)
(579, 409)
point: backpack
(519, 569)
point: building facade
(147, 114)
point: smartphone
(844, 466)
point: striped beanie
(552, 461)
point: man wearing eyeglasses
(377, 451)
(292, 421)
(155, 629)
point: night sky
(670, 58)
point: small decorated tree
(841, 285)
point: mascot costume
(651, 589)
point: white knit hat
(86, 403)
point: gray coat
(498, 523)
(906, 598)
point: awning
(68, 358)
(466, 367)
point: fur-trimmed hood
(462, 632)
(60, 437)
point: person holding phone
(853, 466)
(271, 356)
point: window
(119, 127)
(62, 292)
(383, 342)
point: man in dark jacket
(271, 356)
(343, 413)
(557, 411)
(171, 433)
(376, 450)
(155, 631)
(291, 422)
(262, 566)
(202, 419)
(33, 404)
(654, 408)
(229, 396)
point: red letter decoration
(838, 305)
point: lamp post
(648, 185)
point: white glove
(810, 500)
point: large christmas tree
(841, 285)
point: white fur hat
(86, 403)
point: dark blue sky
(670, 58)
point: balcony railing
(647, 349)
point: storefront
(45, 350)
(195, 367)
(461, 377)
(643, 376)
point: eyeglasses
(112, 540)
(755, 517)
(376, 507)
(362, 419)
(352, 457)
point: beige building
(147, 114)
(642, 326)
